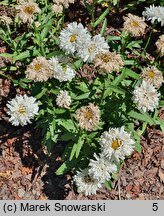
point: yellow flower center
(104, 4)
(116, 144)
(37, 66)
(22, 109)
(73, 38)
(105, 58)
(29, 9)
(91, 48)
(135, 23)
(88, 179)
(151, 74)
(88, 115)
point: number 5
(155, 207)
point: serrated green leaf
(81, 97)
(142, 117)
(131, 73)
(68, 124)
(26, 54)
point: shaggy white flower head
(65, 3)
(160, 44)
(108, 62)
(27, 9)
(86, 183)
(134, 25)
(63, 99)
(101, 168)
(154, 13)
(57, 9)
(39, 70)
(92, 47)
(22, 109)
(72, 36)
(116, 143)
(153, 76)
(5, 20)
(88, 117)
(62, 73)
(146, 97)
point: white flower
(153, 76)
(134, 25)
(116, 143)
(57, 9)
(27, 10)
(73, 35)
(88, 117)
(91, 48)
(154, 13)
(86, 183)
(5, 20)
(63, 99)
(22, 109)
(62, 73)
(160, 45)
(65, 3)
(101, 168)
(39, 70)
(146, 97)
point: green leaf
(115, 2)
(138, 147)
(103, 29)
(68, 124)
(81, 97)
(78, 64)
(73, 151)
(79, 146)
(59, 110)
(112, 38)
(119, 78)
(111, 89)
(101, 18)
(131, 73)
(66, 166)
(82, 87)
(46, 30)
(38, 96)
(108, 185)
(161, 103)
(26, 54)
(68, 136)
(130, 62)
(134, 44)
(62, 169)
(142, 117)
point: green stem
(5, 76)
(148, 41)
